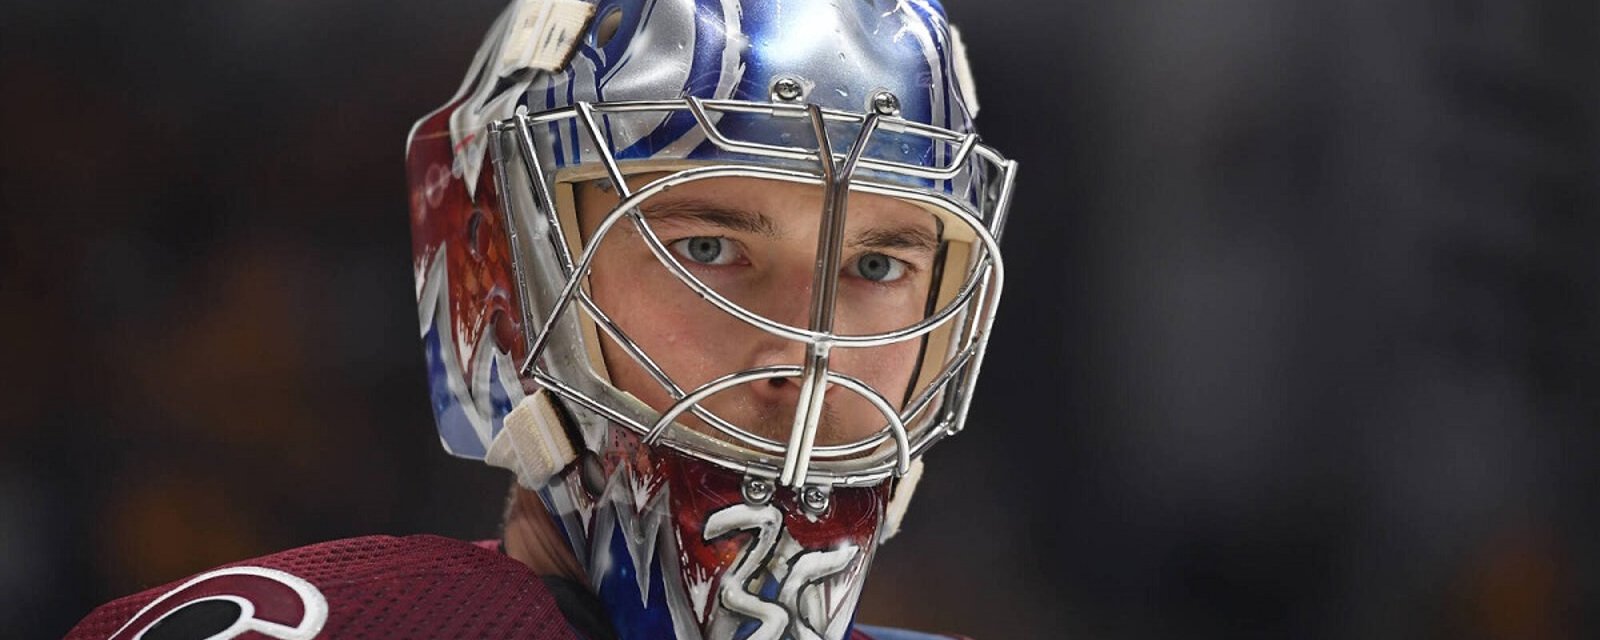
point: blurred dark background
(1302, 337)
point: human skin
(755, 242)
(770, 232)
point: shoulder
(868, 632)
(375, 586)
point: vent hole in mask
(606, 27)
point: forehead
(785, 202)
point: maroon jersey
(371, 587)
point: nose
(773, 351)
(787, 301)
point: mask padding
(533, 443)
(899, 501)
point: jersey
(370, 587)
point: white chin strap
(533, 444)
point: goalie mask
(710, 276)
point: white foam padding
(969, 90)
(543, 34)
(900, 500)
(532, 443)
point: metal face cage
(965, 184)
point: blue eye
(709, 250)
(877, 267)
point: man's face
(755, 242)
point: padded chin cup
(533, 443)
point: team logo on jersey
(230, 603)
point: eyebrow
(711, 213)
(905, 237)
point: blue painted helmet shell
(842, 55)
